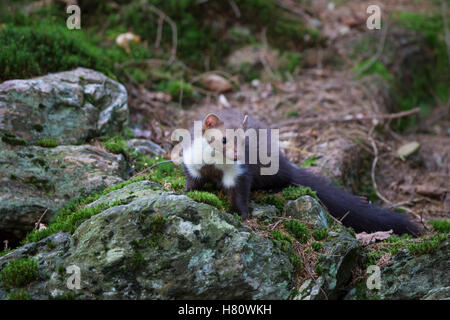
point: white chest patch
(201, 153)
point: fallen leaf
(430, 191)
(368, 238)
(408, 149)
(216, 83)
(124, 39)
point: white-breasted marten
(238, 174)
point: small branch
(36, 225)
(377, 54)
(235, 8)
(348, 118)
(173, 26)
(374, 164)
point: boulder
(69, 107)
(35, 179)
(158, 245)
(417, 277)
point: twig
(374, 165)
(348, 118)
(173, 26)
(36, 225)
(235, 8)
(377, 54)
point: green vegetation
(427, 246)
(135, 262)
(309, 162)
(279, 199)
(284, 242)
(205, 197)
(297, 229)
(440, 225)
(74, 213)
(19, 273)
(293, 193)
(115, 145)
(29, 51)
(19, 295)
(424, 81)
(320, 234)
(318, 269)
(12, 139)
(47, 143)
(317, 246)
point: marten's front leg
(239, 195)
(191, 182)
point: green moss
(38, 127)
(205, 197)
(317, 246)
(440, 225)
(297, 229)
(284, 242)
(320, 234)
(293, 193)
(60, 269)
(427, 246)
(47, 143)
(271, 199)
(280, 236)
(318, 269)
(309, 162)
(180, 90)
(4, 252)
(13, 140)
(45, 47)
(50, 244)
(135, 262)
(115, 145)
(19, 273)
(19, 295)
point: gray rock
(197, 252)
(34, 179)
(69, 107)
(145, 147)
(340, 257)
(417, 277)
(308, 209)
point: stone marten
(238, 173)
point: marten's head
(225, 137)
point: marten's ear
(245, 122)
(211, 121)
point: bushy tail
(355, 213)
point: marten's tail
(355, 213)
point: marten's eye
(224, 140)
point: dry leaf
(408, 149)
(124, 39)
(216, 83)
(367, 238)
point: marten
(238, 175)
